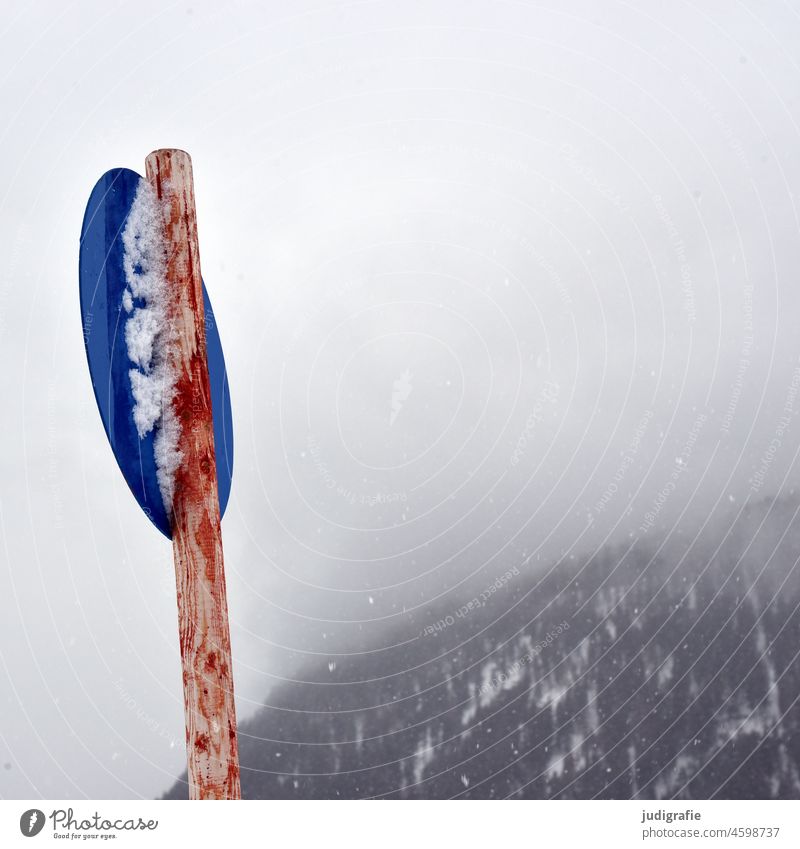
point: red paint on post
(212, 751)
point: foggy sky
(567, 232)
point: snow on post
(172, 383)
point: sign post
(213, 760)
(159, 379)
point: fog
(497, 283)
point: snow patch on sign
(141, 331)
(149, 338)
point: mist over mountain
(664, 668)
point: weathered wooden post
(213, 760)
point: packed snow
(149, 338)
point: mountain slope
(650, 672)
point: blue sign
(105, 304)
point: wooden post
(211, 746)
